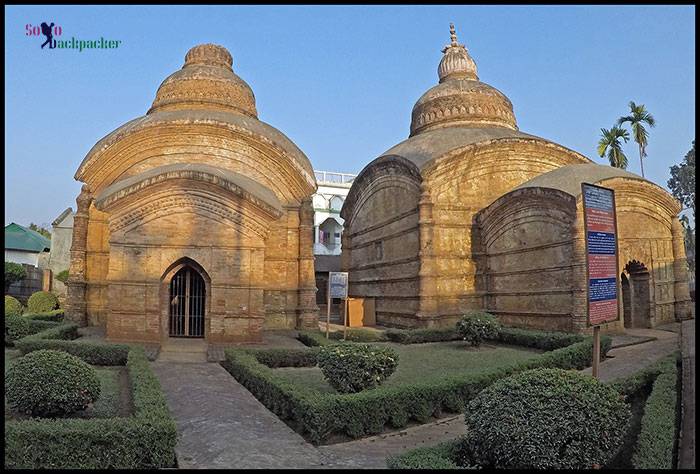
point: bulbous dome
(460, 99)
(206, 81)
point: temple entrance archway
(187, 303)
(636, 295)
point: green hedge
(317, 416)
(656, 441)
(441, 456)
(417, 336)
(314, 338)
(91, 352)
(145, 440)
(56, 315)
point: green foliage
(546, 419)
(144, 441)
(318, 416)
(50, 383)
(441, 456)
(14, 272)
(40, 229)
(359, 335)
(682, 182)
(637, 118)
(313, 338)
(12, 306)
(417, 336)
(475, 327)
(351, 368)
(610, 143)
(56, 315)
(62, 276)
(94, 353)
(41, 302)
(16, 327)
(655, 443)
(544, 340)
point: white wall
(18, 256)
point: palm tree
(610, 143)
(639, 116)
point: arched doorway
(187, 303)
(636, 295)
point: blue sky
(340, 81)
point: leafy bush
(441, 456)
(145, 440)
(12, 306)
(62, 276)
(313, 338)
(359, 335)
(352, 368)
(318, 416)
(14, 272)
(55, 315)
(475, 327)
(41, 302)
(50, 383)
(546, 419)
(16, 327)
(544, 340)
(655, 443)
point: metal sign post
(600, 226)
(337, 288)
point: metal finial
(453, 35)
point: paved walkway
(222, 426)
(626, 360)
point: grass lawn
(114, 400)
(423, 362)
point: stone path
(221, 425)
(626, 360)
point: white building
(333, 188)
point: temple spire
(456, 62)
(453, 35)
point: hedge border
(318, 416)
(145, 440)
(656, 443)
(440, 456)
(56, 315)
(60, 338)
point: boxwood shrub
(12, 306)
(56, 316)
(351, 368)
(546, 419)
(319, 416)
(441, 456)
(41, 302)
(145, 440)
(60, 338)
(50, 383)
(656, 442)
(477, 326)
(16, 327)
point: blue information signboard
(601, 253)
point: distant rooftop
(334, 179)
(18, 237)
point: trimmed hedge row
(318, 416)
(91, 352)
(441, 456)
(55, 315)
(656, 440)
(145, 440)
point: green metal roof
(18, 237)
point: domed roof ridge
(206, 81)
(460, 98)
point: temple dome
(206, 81)
(460, 99)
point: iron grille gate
(187, 292)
